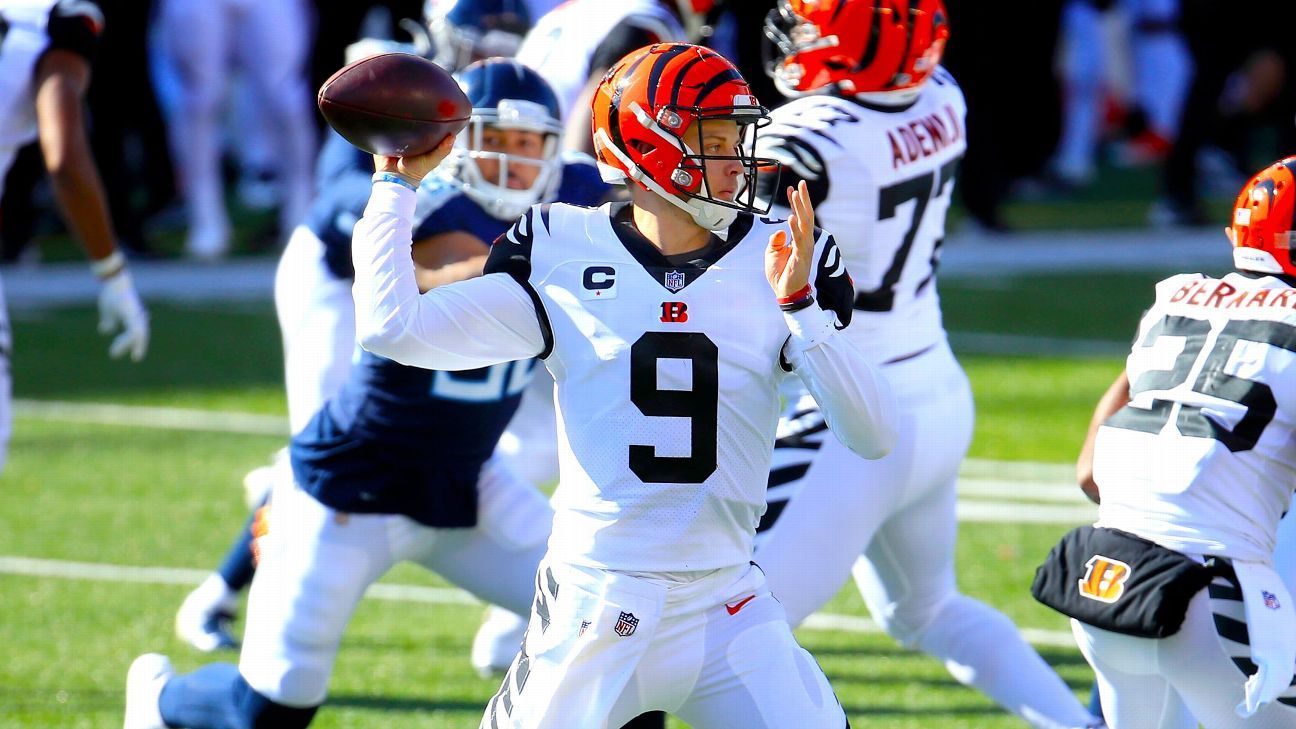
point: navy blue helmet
(506, 96)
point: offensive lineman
(46, 49)
(397, 465)
(876, 132)
(656, 320)
(1189, 457)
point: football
(394, 104)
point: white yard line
(143, 416)
(61, 569)
(990, 491)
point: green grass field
(154, 497)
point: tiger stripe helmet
(1261, 230)
(885, 47)
(639, 115)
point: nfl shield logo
(1270, 601)
(674, 280)
(584, 627)
(626, 624)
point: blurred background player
(876, 130)
(397, 465)
(1189, 458)
(1160, 67)
(576, 43)
(268, 42)
(49, 46)
(464, 31)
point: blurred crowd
(202, 107)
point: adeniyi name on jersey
(891, 240)
(1200, 460)
(666, 371)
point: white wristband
(109, 265)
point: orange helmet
(640, 113)
(855, 46)
(1261, 232)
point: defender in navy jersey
(398, 464)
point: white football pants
(712, 648)
(269, 41)
(1175, 682)
(316, 564)
(899, 512)
(317, 320)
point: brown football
(394, 104)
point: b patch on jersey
(598, 282)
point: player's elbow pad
(873, 442)
(872, 432)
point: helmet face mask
(652, 112)
(1261, 228)
(506, 96)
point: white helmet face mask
(495, 195)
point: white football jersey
(23, 38)
(561, 45)
(1201, 459)
(667, 383)
(881, 181)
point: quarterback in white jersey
(1190, 458)
(876, 133)
(657, 323)
(46, 50)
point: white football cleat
(497, 642)
(144, 682)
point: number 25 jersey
(667, 377)
(1201, 458)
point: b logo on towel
(1104, 579)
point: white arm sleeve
(459, 326)
(855, 398)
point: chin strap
(705, 214)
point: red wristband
(794, 298)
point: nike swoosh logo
(734, 608)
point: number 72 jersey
(1201, 459)
(667, 377)
(881, 181)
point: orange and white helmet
(644, 105)
(882, 50)
(1261, 231)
